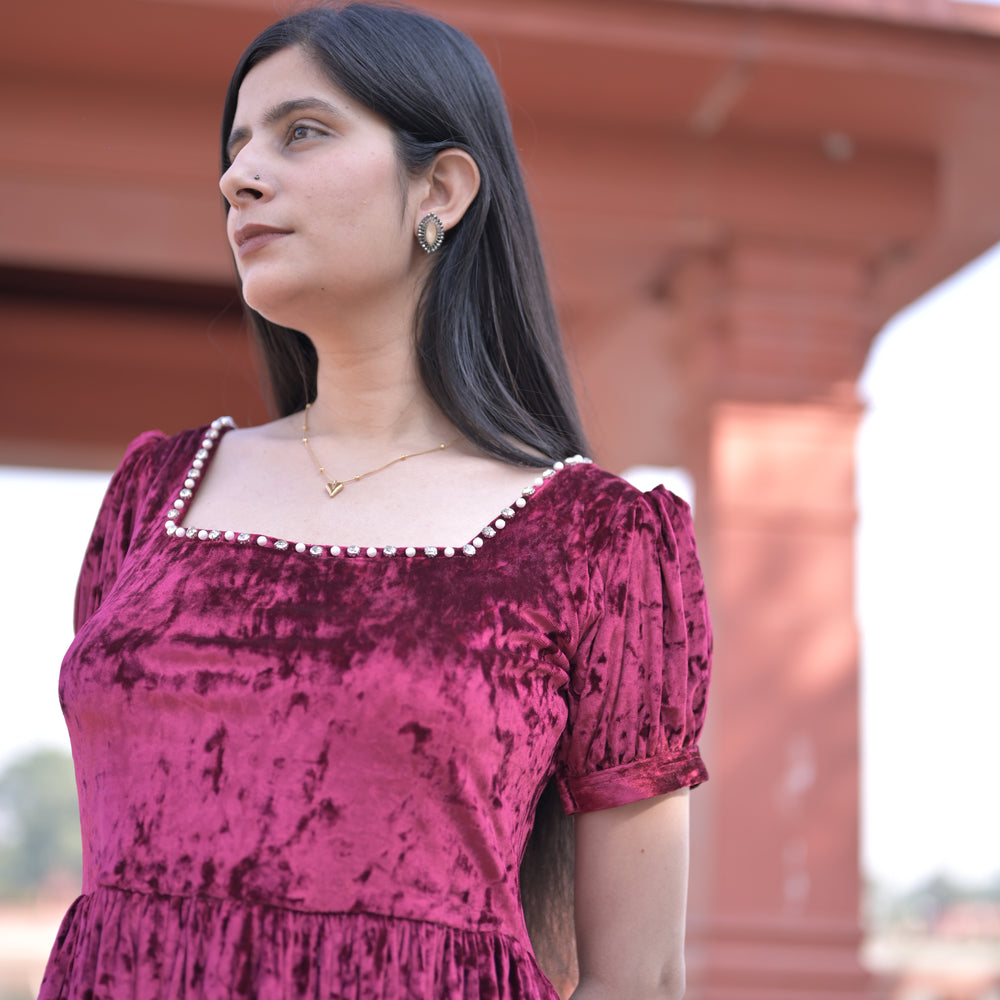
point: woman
(316, 690)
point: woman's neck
(369, 389)
(370, 392)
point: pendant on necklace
(332, 489)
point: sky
(927, 594)
(928, 590)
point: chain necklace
(335, 486)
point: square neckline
(212, 434)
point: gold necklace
(335, 486)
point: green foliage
(39, 824)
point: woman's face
(320, 221)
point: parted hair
(487, 340)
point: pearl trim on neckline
(202, 456)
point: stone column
(775, 881)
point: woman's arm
(631, 896)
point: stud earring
(430, 233)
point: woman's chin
(275, 308)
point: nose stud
(256, 177)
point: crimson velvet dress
(310, 771)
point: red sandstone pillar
(776, 882)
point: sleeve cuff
(641, 779)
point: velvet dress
(310, 772)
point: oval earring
(430, 233)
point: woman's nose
(242, 182)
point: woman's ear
(452, 183)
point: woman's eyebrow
(283, 110)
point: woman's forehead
(289, 74)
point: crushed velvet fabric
(314, 776)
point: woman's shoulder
(611, 499)
(160, 446)
(154, 460)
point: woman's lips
(252, 237)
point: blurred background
(769, 227)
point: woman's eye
(300, 132)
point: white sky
(928, 557)
(49, 516)
(928, 552)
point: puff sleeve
(117, 521)
(639, 676)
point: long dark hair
(487, 339)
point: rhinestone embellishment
(189, 484)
